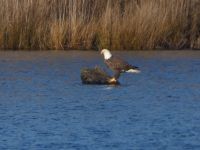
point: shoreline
(92, 50)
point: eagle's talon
(112, 80)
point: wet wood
(96, 76)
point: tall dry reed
(95, 24)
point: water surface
(44, 106)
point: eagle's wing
(117, 64)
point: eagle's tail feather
(133, 70)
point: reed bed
(96, 24)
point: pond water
(44, 106)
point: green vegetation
(93, 24)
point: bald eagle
(117, 65)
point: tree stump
(97, 76)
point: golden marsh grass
(93, 24)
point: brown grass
(95, 24)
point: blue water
(44, 106)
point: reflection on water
(43, 104)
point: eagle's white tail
(133, 71)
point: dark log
(96, 76)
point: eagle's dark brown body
(119, 66)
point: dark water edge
(98, 49)
(43, 104)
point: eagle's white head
(106, 53)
